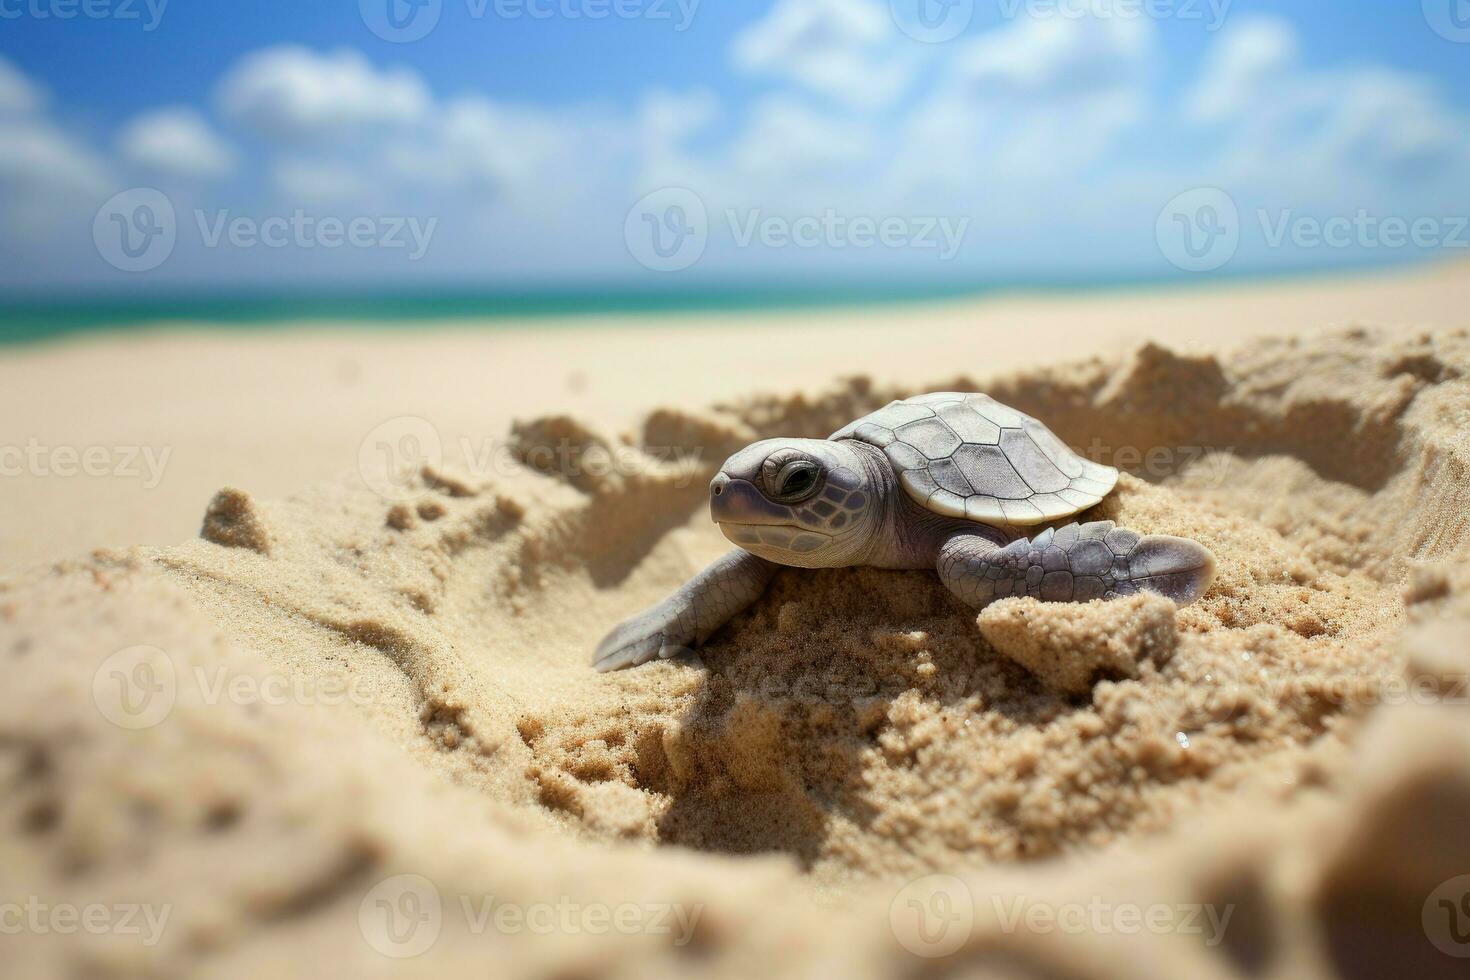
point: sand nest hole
(864, 722)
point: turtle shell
(967, 455)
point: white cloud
(474, 142)
(49, 182)
(48, 177)
(666, 123)
(1059, 58)
(18, 94)
(1240, 69)
(785, 138)
(306, 181)
(175, 141)
(1381, 121)
(291, 93)
(843, 49)
(1321, 124)
(36, 157)
(1034, 100)
(354, 128)
(668, 118)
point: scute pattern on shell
(966, 455)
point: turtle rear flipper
(1176, 568)
(1076, 563)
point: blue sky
(546, 142)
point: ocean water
(24, 320)
(30, 320)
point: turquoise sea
(31, 319)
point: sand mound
(335, 708)
(1070, 646)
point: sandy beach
(302, 671)
(275, 411)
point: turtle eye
(797, 480)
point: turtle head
(805, 502)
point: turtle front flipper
(1074, 564)
(689, 616)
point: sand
(352, 731)
(276, 410)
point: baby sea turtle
(973, 474)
